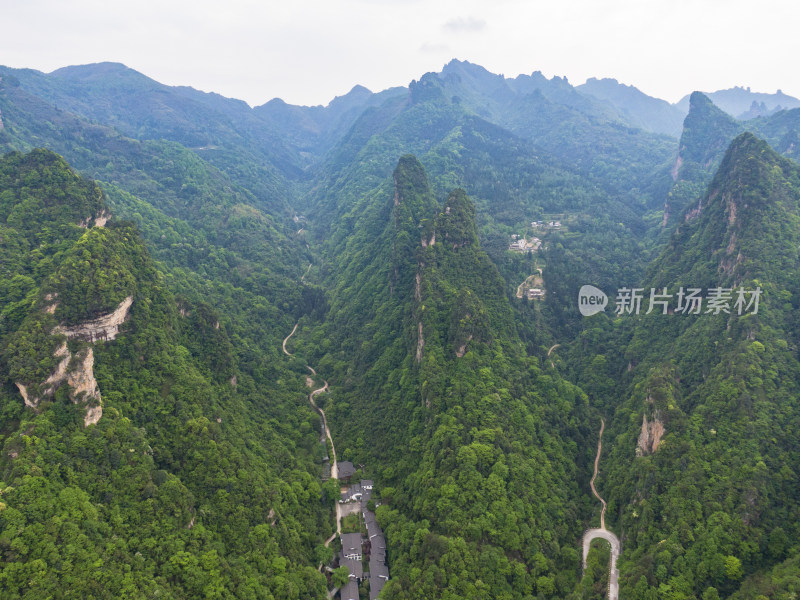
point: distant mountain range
(314, 128)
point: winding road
(596, 464)
(334, 464)
(285, 351)
(553, 347)
(603, 533)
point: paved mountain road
(602, 532)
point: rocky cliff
(77, 370)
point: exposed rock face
(462, 350)
(420, 342)
(58, 376)
(103, 328)
(99, 219)
(80, 377)
(84, 386)
(24, 393)
(650, 436)
(676, 168)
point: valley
(180, 348)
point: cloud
(464, 25)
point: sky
(309, 51)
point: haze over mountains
(425, 245)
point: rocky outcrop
(103, 328)
(420, 342)
(23, 391)
(83, 386)
(650, 436)
(77, 370)
(463, 348)
(99, 219)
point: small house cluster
(355, 547)
(546, 224)
(520, 244)
(535, 293)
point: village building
(535, 293)
(346, 469)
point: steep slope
(737, 101)
(701, 477)
(651, 114)
(423, 349)
(707, 132)
(205, 221)
(315, 129)
(585, 133)
(147, 432)
(114, 95)
(511, 181)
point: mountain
(583, 132)
(739, 101)
(422, 248)
(133, 398)
(646, 112)
(315, 129)
(424, 349)
(706, 134)
(701, 470)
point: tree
(340, 576)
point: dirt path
(591, 483)
(334, 463)
(553, 347)
(285, 351)
(603, 533)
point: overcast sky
(308, 51)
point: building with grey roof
(346, 469)
(351, 545)
(355, 567)
(350, 591)
(377, 579)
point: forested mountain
(428, 242)
(472, 437)
(707, 132)
(741, 103)
(651, 114)
(705, 404)
(164, 489)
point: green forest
(156, 434)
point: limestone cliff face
(103, 328)
(83, 386)
(77, 370)
(650, 436)
(99, 220)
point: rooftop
(346, 469)
(350, 591)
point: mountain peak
(95, 71)
(705, 122)
(740, 228)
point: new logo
(591, 300)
